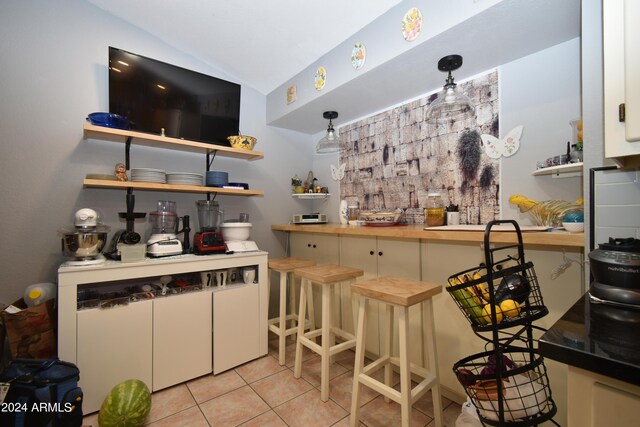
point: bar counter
(550, 238)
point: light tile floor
(261, 393)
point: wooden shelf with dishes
(129, 137)
(151, 186)
(157, 141)
(561, 171)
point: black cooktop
(598, 338)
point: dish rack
(508, 382)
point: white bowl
(236, 230)
(381, 217)
(573, 227)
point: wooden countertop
(554, 238)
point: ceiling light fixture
(329, 143)
(451, 104)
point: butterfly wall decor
(507, 147)
(337, 173)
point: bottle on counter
(343, 212)
(38, 293)
(434, 212)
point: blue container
(217, 179)
(109, 120)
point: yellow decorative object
(548, 213)
(242, 141)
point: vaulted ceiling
(261, 42)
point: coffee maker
(209, 239)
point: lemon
(510, 308)
(486, 313)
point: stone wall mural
(393, 159)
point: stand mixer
(164, 222)
(85, 240)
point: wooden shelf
(310, 195)
(561, 171)
(151, 186)
(157, 141)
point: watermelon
(127, 405)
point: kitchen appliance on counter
(209, 240)
(310, 218)
(164, 222)
(237, 235)
(85, 240)
(615, 267)
(128, 236)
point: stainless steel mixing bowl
(83, 244)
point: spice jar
(434, 213)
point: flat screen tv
(155, 95)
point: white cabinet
(114, 345)
(231, 324)
(381, 256)
(621, 44)
(182, 327)
(596, 400)
(323, 248)
(164, 340)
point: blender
(209, 239)
(163, 240)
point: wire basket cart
(501, 298)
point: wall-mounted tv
(155, 95)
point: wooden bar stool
(397, 293)
(328, 276)
(278, 325)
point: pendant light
(329, 143)
(451, 104)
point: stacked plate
(148, 175)
(184, 178)
(217, 179)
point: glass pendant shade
(451, 104)
(329, 143)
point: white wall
(54, 72)
(542, 93)
(617, 205)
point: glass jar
(434, 212)
(354, 212)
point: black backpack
(41, 393)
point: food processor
(85, 240)
(164, 222)
(209, 239)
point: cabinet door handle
(314, 246)
(371, 252)
(380, 253)
(309, 245)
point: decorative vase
(343, 212)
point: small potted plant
(296, 183)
